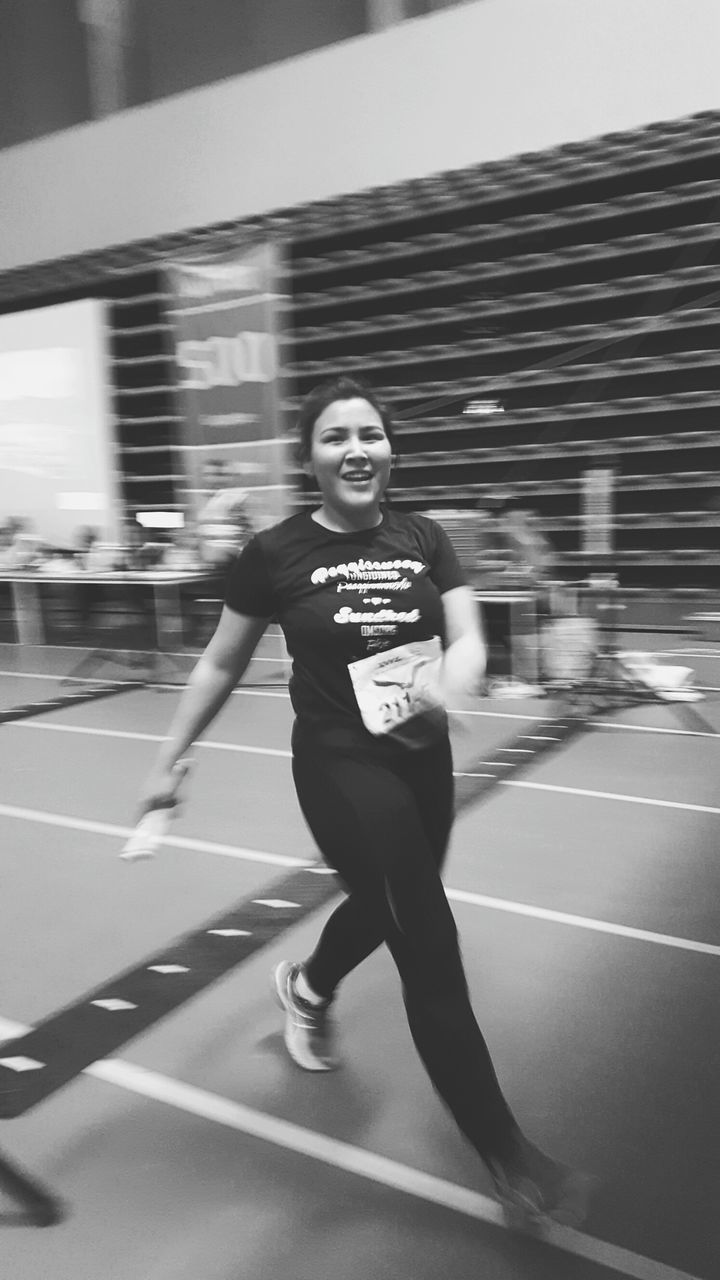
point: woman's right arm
(212, 681)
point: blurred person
(6, 540)
(183, 551)
(530, 550)
(381, 627)
(26, 551)
(224, 524)
(86, 538)
(514, 555)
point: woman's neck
(346, 522)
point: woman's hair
(327, 393)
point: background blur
(502, 213)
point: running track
(587, 897)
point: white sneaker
(308, 1031)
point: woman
(369, 599)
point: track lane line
(455, 895)
(453, 711)
(377, 1169)
(123, 833)
(208, 744)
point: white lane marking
(611, 795)
(22, 1064)
(459, 895)
(274, 751)
(148, 684)
(582, 922)
(356, 1160)
(135, 736)
(122, 833)
(647, 728)
(113, 1006)
(687, 653)
(453, 711)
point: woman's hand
(463, 669)
(162, 787)
(464, 660)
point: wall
(478, 82)
(43, 78)
(187, 43)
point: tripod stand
(590, 671)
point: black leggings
(382, 820)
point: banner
(226, 313)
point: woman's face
(350, 458)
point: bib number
(398, 692)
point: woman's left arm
(465, 657)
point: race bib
(398, 692)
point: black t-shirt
(340, 597)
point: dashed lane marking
(357, 1161)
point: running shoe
(534, 1189)
(308, 1031)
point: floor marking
(113, 1006)
(459, 895)
(593, 795)
(582, 922)
(355, 1160)
(646, 728)
(21, 1064)
(275, 903)
(74, 1036)
(122, 833)
(611, 795)
(275, 693)
(135, 736)
(168, 968)
(149, 684)
(688, 653)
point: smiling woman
(371, 760)
(350, 458)
(346, 445)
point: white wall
(478, 82)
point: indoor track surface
(587, 895)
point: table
(27, 587)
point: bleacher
(579, 288)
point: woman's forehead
(349, 413)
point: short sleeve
(445, 569)
(248, 588)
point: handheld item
(147, 836)
(153, 827)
